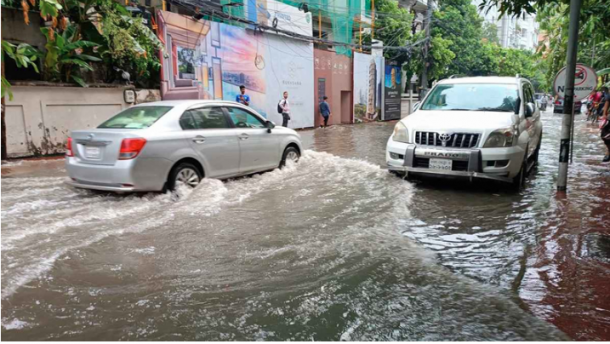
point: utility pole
(568, 102)
(372, 21)
(424, 74)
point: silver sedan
(156, 146)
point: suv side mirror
(529, 110)
(270, 125)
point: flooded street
(332, 248)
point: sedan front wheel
(290, 154)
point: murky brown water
(331, 248)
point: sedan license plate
(440, 164)
(92, 152)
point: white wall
(39, 118)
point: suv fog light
(396, 156)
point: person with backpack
(283, 107)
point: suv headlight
(401, 134)
(500, 138)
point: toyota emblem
(444, 138)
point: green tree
(393, 28)
(593, 42)
(65, 56)
(459, 22)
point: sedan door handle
(244, 136)
(199, 139)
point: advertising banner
(368, 81)
(289, 67)
(392, 92)
(210, 60)
(279, 15)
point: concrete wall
(336, 70)
(15, 30)
(39, 118)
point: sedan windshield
(137, 117)
(473, 97)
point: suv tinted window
(137, 117)
(472, 97)
(244, 119)
(204, 118)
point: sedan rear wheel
(184, 174)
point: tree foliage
(66, 55)
(593, 38)
(129, 44)
(462, 45)
(393, 28)
(24, 56)
(76, 27)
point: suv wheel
(184, 173)
(290, 154)
(537, 152)
(519, 179)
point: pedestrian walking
(283, 107)
(242, 97)
(604, 107)
(325, 111)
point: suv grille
(457, 140)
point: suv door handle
(199, 139)
(244, 136)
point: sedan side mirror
(270, 125)
(529, 110)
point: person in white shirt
(285, 110)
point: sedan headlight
(401, 134)
(500, 138)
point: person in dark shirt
(604, 107)
(325, 111)
(242, 97)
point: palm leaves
(65, 55)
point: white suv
(478, 127)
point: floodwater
(332, 248)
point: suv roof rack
(455, 76)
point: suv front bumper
(466, 163)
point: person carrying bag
(283, 108)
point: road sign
(585, 81)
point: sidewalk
(567, 281)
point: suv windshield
(138, 117)
(473, 97)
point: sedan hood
(458, 121)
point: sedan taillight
(130, 148)
(69, 151)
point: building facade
(513, 32)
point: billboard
(210, 60)
(391, 91)
(279, 15)
(368, 81)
